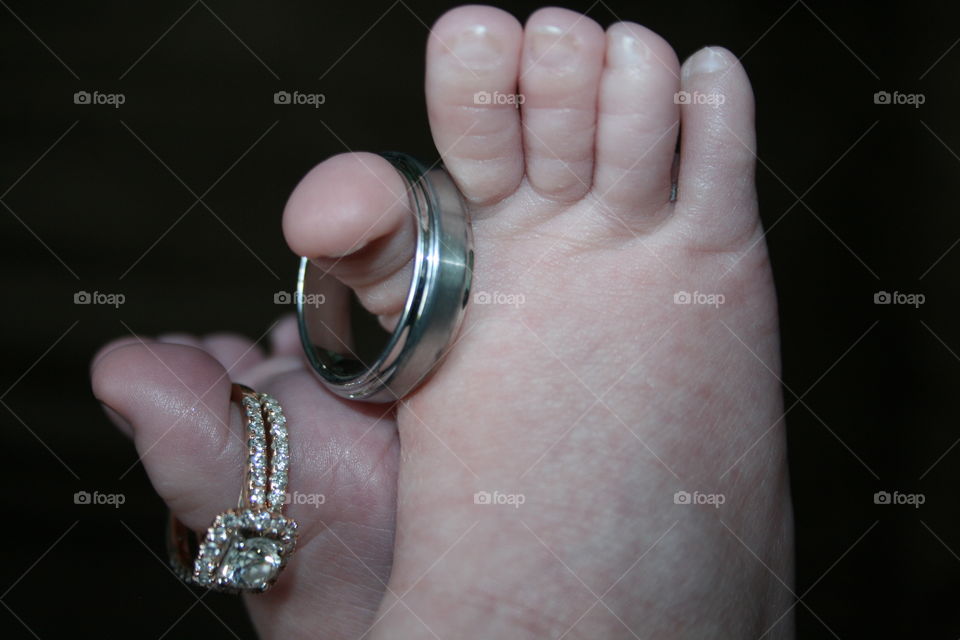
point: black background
(857, 198)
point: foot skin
(621, 347)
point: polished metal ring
(434, 306)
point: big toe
(342, 479)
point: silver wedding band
(434, 306)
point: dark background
(857, 197)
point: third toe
(560, 73)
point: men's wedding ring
(434, 306)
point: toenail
(627, 51)
(553, 47)
(707, 60)
(118, 419)
(476, 48)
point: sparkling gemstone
(251, 563)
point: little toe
(716, 191)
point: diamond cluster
(245, 548)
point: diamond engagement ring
(432, 313)
(245, 548)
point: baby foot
(602, 453)
(172, 396)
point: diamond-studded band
(279, 452)
(245, 548)
(265, 484)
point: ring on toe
(246, 548)
(434, 307)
